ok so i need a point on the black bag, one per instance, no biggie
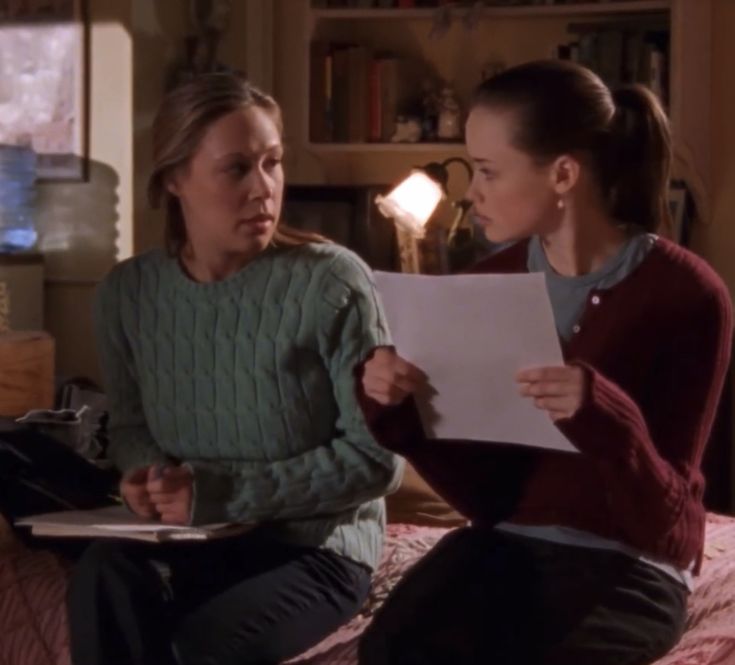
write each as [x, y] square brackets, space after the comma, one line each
[39, 474]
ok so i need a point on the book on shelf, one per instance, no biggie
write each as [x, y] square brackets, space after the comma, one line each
[399, 93]
[340, 87]
[356, 95]
[621, 54]
[358, 71]
[320, 92]
[118, 522]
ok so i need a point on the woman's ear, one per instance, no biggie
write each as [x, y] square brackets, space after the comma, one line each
[172, 185]
[565, 172]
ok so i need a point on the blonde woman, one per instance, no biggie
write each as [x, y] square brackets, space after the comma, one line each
[228, 361]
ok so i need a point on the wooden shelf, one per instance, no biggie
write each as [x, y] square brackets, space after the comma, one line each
[521, 33]
[421, 146]
[576, 10]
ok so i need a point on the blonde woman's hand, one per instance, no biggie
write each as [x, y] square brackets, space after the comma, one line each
[135, 493]
[171, 489]
[389, 379]
[557, 390]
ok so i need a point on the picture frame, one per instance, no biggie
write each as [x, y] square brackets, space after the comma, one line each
[44, 83]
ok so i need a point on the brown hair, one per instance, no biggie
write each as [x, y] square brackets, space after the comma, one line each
[182, 120]
[562, 107]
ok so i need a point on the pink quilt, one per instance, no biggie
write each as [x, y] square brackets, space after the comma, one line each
[33, 623]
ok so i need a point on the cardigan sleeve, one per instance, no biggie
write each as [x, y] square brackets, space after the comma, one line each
[346, 471]
[650, 457]
[131, 442]
[482, 481]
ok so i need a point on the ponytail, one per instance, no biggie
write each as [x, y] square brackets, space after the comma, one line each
[638, 167]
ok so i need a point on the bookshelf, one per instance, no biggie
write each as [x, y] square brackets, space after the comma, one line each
[508, 35]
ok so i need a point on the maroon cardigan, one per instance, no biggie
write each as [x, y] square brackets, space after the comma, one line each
[656, 348]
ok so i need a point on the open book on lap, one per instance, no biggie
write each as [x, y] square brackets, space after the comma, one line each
[119, 522]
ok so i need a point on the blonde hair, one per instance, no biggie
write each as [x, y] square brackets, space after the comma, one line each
[180, 123]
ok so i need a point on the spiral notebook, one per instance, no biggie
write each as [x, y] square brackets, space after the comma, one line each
[119, 522]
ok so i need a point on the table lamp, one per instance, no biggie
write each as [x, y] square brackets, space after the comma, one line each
[412, 202]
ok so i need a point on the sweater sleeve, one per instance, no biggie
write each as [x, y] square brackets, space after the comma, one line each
[345, 472]
[131, 443]
[650, 454]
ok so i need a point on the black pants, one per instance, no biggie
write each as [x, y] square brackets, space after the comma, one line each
[234, 601]
[485, 597]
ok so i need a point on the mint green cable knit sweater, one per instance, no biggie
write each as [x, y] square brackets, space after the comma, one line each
[249, 381]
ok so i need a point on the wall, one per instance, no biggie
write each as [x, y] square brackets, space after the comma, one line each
[716, 241]
[87, 227]
[159, 29]
[84, 225]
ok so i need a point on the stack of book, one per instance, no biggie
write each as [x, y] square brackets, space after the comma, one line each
[356, 95]
[119, 522]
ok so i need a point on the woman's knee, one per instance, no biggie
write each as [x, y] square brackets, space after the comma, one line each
[204, 646]
[115, 567]
[381, 646]
[98, 558]
[372, 648]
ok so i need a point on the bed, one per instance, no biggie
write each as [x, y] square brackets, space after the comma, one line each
[33, 584]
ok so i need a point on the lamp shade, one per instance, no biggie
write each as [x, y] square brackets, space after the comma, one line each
[412, 202]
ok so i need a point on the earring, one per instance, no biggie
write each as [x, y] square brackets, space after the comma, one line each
[560, 203]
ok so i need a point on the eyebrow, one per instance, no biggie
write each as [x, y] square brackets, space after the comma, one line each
[481, 160]
[276, 147]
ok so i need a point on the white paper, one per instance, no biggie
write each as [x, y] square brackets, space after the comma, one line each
[112, 518]
[471, 334]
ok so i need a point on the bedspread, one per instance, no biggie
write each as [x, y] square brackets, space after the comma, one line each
[33, 585]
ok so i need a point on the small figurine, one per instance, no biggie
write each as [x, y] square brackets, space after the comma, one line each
[408, 130]
[448, 126]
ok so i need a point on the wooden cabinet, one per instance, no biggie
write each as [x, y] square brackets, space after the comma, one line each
[26, 372]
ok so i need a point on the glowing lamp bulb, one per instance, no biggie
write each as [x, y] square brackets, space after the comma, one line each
[412, 202]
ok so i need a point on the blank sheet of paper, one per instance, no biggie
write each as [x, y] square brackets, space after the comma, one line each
[471, 334]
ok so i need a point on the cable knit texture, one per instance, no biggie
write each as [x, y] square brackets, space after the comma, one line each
[249, 381]
[655, 348]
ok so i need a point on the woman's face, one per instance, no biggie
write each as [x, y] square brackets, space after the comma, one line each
[232, 188]
[512, 196]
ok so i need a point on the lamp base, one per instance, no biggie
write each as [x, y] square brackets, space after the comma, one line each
[462, 252]
[409, 259]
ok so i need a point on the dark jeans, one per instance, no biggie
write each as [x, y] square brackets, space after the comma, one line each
[484, 597]
[233, 601]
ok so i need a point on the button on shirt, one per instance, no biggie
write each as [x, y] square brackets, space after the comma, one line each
[569, 295]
